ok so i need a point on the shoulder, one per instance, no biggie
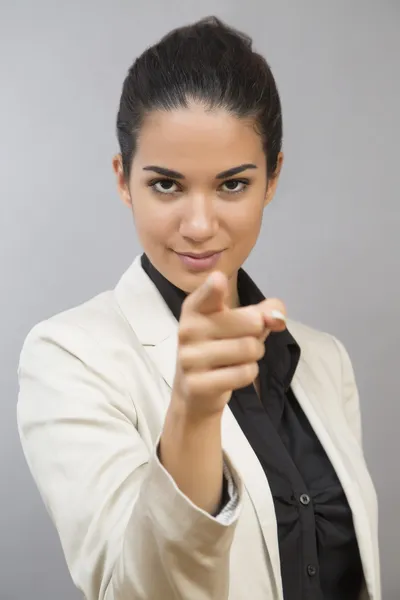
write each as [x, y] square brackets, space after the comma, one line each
[311, 339]
[93, 317]
[84, 360]
[94, 332]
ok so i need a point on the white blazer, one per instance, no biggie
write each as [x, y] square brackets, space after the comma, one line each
[95, 383]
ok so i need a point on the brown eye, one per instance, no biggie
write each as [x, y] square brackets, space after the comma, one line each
[164, 186]
[235, 186]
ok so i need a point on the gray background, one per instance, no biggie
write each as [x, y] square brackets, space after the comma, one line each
[330, 242]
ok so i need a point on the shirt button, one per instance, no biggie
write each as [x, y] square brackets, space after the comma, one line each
[305, 499]
[311, 570]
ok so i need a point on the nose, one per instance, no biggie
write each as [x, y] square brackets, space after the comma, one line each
[198, 222]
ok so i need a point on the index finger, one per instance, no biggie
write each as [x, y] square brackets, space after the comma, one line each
[209, 297]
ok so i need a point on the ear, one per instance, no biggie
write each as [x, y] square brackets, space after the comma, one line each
[273, 181]
[122, 184]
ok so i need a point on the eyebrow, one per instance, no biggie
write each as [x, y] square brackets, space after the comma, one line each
[223, 175]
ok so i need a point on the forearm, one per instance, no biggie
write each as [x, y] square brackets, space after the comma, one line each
[191, 451]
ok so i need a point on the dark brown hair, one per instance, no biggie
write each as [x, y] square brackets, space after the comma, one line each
[209, 62]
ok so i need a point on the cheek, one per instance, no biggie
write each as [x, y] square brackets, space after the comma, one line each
[246, 221]
[153, 222]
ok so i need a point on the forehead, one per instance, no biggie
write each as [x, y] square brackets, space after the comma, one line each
[196, 138]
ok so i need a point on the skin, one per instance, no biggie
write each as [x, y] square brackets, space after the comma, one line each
[219, 342]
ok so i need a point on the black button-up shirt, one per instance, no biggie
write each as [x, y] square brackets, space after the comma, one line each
[319, 554]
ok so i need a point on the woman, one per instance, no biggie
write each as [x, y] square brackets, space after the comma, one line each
[186, 442]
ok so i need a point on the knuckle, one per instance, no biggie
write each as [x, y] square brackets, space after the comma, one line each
[250, 371]
[256, 322]
[249, 347]
[260, 349]
[186, 331]
[184, 359]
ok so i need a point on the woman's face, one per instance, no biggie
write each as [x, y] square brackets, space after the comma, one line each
[198, 188]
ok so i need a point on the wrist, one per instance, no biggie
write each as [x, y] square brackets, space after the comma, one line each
[191, 451]
[187, 415]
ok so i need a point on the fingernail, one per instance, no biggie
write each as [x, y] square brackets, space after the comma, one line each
[276, 314]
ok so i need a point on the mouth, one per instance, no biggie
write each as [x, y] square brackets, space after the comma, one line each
[200, 261]
[200, 255]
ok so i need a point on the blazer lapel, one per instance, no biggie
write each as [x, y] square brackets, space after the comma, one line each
[328, 422]
[238, 449]
[144, 307]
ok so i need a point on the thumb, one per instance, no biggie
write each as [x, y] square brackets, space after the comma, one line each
[210, 296]
[274, 316]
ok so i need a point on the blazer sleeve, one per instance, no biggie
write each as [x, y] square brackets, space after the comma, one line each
[127, 531]
[351, 400]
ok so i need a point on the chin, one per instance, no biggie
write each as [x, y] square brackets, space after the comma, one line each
[189, 282]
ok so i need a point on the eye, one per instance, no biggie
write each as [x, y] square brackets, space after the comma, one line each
[164, 186]
[235, 186]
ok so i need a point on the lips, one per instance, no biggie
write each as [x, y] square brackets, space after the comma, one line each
[199, 255]
[202, 261]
